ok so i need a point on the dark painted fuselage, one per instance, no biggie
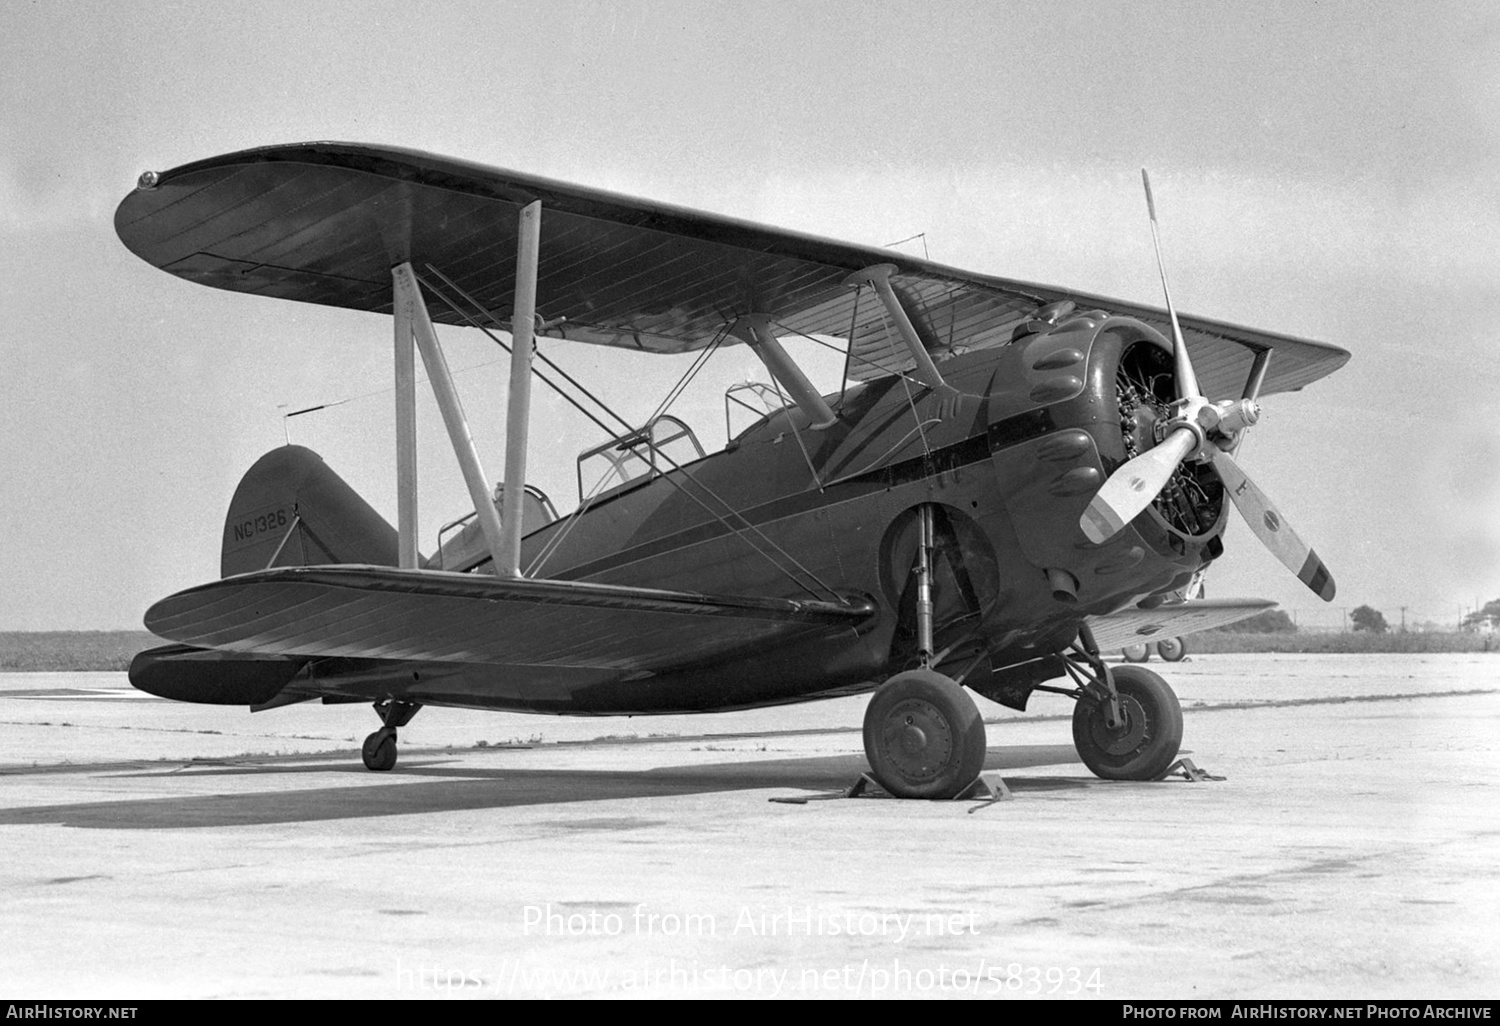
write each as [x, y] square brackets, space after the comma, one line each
[790, 512]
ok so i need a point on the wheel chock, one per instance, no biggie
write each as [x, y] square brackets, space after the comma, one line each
[865, 787]
[987, 788]
[1185, 769]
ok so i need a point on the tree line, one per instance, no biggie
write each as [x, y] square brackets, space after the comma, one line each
[1364, 618]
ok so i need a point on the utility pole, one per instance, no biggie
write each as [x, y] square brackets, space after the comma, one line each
[1403, 619]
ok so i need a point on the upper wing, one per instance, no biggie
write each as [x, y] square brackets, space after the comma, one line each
[386, 613]
[1133, 626]
[325, 222]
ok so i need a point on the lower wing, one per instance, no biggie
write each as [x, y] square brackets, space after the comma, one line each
[385, 613]
[1171, 620]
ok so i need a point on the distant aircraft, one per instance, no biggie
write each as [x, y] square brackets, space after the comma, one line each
[1013, 478]
[1171, 650]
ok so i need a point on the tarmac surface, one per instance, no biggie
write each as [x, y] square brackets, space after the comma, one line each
[163, 850]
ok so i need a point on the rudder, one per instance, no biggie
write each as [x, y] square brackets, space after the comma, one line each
[291, 507]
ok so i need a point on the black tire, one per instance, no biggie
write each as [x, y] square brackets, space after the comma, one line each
[1171, 650]
[1136, 653]
[924, 736]
[379, 751]
[1146, 746]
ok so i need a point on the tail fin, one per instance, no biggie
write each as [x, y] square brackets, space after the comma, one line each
[291, 509]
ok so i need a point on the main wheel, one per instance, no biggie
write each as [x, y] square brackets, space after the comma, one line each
[1136, 653]
[1171, 649]
[924, 736]
[1146, 745]
[379, 750]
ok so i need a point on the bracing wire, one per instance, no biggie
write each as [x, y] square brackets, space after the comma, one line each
[682, 384]
[797, 434]
[906, 384]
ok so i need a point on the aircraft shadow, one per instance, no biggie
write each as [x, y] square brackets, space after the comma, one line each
[444, 785]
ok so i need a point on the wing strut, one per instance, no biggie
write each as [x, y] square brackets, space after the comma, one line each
[1257, 375]
[409, 295]
[540, 560]
[406, 427]
[879, 276]
[755, 329]
[503, 535]
[518, 407]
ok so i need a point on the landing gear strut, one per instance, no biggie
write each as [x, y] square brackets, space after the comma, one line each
[924, 736]
[1145, 745]
[379, 749]
[1127, 724]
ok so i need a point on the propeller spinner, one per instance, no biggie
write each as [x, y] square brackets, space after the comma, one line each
[1206, 432]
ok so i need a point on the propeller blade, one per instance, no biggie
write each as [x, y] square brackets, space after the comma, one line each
[1131, 488]
[1187, 380]
[1272, 529]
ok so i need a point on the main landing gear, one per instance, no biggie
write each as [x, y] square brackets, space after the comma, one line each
[1127, 724]
[924, 736]
[1171, 650]
[379, 749]
[923, 733]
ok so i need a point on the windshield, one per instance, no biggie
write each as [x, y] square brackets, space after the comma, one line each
[664, 444]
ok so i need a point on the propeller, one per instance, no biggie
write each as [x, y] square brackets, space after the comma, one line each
[1206, 432]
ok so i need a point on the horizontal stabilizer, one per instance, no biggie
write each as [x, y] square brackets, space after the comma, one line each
[1172, 620]
[386, 613]
[189, 674]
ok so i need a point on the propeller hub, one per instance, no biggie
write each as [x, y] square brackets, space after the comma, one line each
[1236, 416]
[1194, 414]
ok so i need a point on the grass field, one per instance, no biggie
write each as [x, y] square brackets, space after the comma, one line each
[72, 650]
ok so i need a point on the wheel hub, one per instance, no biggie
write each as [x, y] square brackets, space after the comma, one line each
[919, 739]
[913, 738]
[1129, 737]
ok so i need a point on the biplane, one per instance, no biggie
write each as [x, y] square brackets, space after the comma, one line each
[1012, 478]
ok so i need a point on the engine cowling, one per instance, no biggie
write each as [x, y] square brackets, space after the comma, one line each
[1101, 385]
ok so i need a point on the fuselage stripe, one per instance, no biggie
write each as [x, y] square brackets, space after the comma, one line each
[973, 450]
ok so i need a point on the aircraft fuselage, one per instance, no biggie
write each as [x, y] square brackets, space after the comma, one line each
[1039, 427]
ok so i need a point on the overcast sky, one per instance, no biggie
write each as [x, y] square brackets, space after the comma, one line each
[1327, 170]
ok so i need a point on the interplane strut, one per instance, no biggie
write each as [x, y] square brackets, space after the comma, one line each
[413, 323]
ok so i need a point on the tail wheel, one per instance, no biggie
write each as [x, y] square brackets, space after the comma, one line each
[1136, 653]
[1146, 744]
[924, 736]
[1171, 649]
[379, 750]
